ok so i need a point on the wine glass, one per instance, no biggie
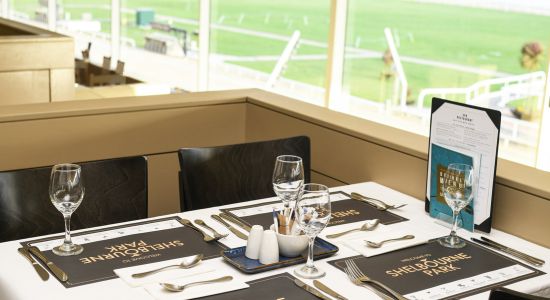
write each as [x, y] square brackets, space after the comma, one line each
[458, 187]
[66, 193]
[288, 177]
[312, 214]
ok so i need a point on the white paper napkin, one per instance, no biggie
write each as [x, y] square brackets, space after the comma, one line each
[126, 273]
[421, 236]
[158, 292]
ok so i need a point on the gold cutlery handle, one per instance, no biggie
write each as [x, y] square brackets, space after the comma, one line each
[335, 235]
[147, 273]
[188, 223]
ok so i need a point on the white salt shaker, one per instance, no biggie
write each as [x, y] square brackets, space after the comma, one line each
[269, 250]
[254, 242]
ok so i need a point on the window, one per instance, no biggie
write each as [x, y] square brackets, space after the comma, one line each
[165, 33]
[34, 12]
[248, 39]
[400, 54]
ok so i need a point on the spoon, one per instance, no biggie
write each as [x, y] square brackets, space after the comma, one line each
[216, 234]
[369, 225]
[379, 244]
[187, 263]
[178, 288]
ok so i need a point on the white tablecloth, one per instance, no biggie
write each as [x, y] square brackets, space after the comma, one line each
[19, 281]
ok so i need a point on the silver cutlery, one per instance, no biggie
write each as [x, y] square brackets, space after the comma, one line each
[369, 225]
[235, 221]
[359, 278]
[57, 272]
[517, 254]
[207, 238]
[310, 289]
[328, 290]
[187, 263]
[216, 234]
[178, 288]
[379, 204]
[379, 244]
[44, 275]
[231, 228]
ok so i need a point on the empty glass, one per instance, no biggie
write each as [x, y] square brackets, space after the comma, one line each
[458, 187]
[66, 193]
[312, 214]
[288, 177]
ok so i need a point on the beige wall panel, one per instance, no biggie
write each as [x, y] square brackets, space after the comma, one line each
[320, 178]
[81, 138]
[24, 87]
[29, 54]
[163, 191]
[62, 84]
[344, 158]
[522, 214]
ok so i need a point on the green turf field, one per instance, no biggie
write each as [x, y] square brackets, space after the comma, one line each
[470, 37]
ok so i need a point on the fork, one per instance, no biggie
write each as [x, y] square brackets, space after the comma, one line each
[357, 276]
[379, 204]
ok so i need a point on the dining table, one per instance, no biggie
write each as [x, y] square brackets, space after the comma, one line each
[18, 279]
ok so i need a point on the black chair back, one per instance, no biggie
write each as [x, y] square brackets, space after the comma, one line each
[228, 174]
[501, 293]
[115, 191]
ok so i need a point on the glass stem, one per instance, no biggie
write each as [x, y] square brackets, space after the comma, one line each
[67, 229]
[455, 223]
[309, 263]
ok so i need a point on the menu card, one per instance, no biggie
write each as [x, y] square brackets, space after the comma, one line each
[467, 129]
[124, 246]
[431, 271]
[344, 210]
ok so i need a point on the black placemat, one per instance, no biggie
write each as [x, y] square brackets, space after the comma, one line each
[343, 212]
[280, 286]
[100, 258]
[429, 265]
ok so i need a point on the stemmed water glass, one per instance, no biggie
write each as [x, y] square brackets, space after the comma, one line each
[458, 187]
[312, 214]
[66, 193]
[288, 177]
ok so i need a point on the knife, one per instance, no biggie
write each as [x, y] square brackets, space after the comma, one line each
[310, 289]
[236, 221]
[233, 229]
[328, 290]
[542, 262]
[39, 269]
[520, 255]
[60, 274]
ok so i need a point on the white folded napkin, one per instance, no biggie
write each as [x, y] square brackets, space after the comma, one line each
[359, 245]
[126, 273]
[196, 291]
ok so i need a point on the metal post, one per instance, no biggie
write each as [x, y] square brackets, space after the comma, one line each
[335, 52]
[204, 44]
[115, 30]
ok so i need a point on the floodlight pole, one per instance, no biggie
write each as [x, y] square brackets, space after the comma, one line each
[283, 59]
[398, 68]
